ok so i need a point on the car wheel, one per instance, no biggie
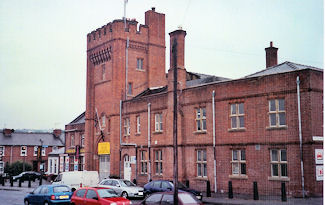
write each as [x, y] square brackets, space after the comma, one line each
[124, 194]
[26, 202]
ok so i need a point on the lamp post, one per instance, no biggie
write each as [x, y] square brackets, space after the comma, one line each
[40, 158]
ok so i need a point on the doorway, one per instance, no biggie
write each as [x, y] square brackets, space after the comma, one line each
[127, 167]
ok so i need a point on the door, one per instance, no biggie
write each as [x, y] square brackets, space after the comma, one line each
[104, 166]
[127, 168]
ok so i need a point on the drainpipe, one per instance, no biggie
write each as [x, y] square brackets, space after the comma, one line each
[149, 164]
[300, 140]
[214, 143]
[120, 138]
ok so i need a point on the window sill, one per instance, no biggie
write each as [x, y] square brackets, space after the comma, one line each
[137, 134]
[200, 132]
[201, 178]
[237, 129]
[157, 132]
[284, 127]
[238, 176]
[141, 70]
[278, 179]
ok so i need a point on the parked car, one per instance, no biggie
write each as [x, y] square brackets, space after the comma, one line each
[77, 179]
[98, 196]
[49, 194]
[123, 187]
[164, 185]
[168, 198]
[24, 176]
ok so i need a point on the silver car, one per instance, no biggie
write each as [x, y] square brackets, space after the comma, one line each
[123, 187]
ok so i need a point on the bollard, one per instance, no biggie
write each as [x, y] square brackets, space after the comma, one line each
[187, 183]
[3, 181]
[135, 181]
[29, 182]
[40, 179]
[255, 191]
[208, 189]
[19, 184]
[11, 181]
[283, 192]
[230, 193]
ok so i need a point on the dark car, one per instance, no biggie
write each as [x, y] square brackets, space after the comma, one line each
[164, 185]
[168, 198]
[98, 196]
[24, 176]
[49, 194]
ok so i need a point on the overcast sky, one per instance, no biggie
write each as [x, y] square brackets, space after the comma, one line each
[43, 46]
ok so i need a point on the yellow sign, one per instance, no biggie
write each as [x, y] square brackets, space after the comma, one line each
[70, 151]
[104, 148]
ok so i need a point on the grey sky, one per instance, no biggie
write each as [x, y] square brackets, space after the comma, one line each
[43, 46]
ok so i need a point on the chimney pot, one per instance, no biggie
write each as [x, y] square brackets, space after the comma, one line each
[7, 132]
[57, 132]
[271, 44]
[153, 9]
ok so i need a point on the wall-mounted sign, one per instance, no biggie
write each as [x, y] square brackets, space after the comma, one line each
[70, 151]
[66, 164]
[319, 156]
[133, 160]
[61, 163]
[319, 172]
[104, 148]
[318, 138]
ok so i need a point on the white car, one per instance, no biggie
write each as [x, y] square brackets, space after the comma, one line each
[123, 187]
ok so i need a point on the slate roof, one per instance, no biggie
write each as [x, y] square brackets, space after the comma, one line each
[204, 79]
[80, 119]
[282, 68]
[32, 138]
[151, 91]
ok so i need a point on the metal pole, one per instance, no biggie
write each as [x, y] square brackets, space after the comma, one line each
[149, 142]
[300, 140]
[120, 137]
[214, 143]
[174, 51]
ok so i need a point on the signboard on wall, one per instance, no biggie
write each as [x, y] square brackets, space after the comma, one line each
[319, 172]
[61, 163]
[104, 148]
[66, 163]
[319, 156]
[133, 160]
[75, 167]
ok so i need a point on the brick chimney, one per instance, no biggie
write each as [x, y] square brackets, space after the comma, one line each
[271, 55]
[7, 132]
[57, 132]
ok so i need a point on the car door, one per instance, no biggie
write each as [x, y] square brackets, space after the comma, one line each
[156, 186]
[165, 186]
[33, 198]
[117, 187]
[90, 195]
[43, 195]
[79, 197]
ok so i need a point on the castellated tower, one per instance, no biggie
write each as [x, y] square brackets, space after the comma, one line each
[122, 61]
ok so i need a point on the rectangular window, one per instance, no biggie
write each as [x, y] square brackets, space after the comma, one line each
[103, 121]
[277, 113]
[143, 162]
[238, 162]
[200, 119]
[158, 122]
[138, 124]
[103, 71]
[139, 63]
[2, 166]
[72, 141]
[43, 151]
[158, 162]
[129, 88]
[237, 115]
[127, 128]
[2, 151]
[201, 163]
[35, 150]
[82, 141]
[23, 151]
[279, 163]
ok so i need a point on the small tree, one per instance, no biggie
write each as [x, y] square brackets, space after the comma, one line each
[17, 168]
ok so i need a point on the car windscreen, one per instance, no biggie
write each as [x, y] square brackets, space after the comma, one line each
[61, 189]
[104, 193]
[58, 178]
[125, 183]
[187, 198]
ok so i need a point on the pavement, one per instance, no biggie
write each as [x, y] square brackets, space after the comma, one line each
[216, 198]
[222, 199]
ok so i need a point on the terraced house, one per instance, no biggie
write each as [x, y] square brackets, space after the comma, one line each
[266, 127]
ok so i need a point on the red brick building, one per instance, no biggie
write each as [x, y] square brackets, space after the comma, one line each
[30, 146]
[252, 129]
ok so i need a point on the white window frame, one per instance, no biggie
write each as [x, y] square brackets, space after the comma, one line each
[138, 124]
[43, 151]
[82, 140]
[200, 119]
[103, 121]
[23, 152]
[237, 115]
[158, 162]
[277, 112]
[35, 151]
[158, 122]
[143, 162]
[140, 64]
[72, 140]
[279, 162]
[127, 128]
[238, 158]
[201, 163]
[2, 149]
